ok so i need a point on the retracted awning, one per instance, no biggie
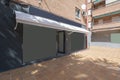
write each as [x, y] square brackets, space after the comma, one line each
[44, 22]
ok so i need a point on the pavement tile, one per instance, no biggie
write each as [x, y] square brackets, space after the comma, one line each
[95, 63]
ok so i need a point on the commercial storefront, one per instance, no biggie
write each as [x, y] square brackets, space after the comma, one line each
[44, 35]
[40, 43]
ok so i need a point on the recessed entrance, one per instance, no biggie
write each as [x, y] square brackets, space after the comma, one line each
[61, 41]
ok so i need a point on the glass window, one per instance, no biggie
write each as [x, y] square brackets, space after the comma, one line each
[77, 12]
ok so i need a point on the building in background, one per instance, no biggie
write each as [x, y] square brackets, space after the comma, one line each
[88, 12]
[106, 21]
[50, 28]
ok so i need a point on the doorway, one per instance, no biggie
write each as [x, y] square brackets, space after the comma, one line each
[61, 42]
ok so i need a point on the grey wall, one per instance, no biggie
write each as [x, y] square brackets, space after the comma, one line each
[104, 36]
[38, 43]
[78, 42]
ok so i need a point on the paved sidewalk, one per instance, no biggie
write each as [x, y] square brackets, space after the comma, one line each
[102, 53]
[96, 63]
[106, 44]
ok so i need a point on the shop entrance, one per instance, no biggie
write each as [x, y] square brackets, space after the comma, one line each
[61, 41]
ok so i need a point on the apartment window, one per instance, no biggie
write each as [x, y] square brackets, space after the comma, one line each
[77, 13]
[100, 21]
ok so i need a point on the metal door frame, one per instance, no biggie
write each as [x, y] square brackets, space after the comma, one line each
[64, 42]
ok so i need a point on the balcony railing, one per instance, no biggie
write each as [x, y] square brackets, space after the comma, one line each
[107, 10]
[107, 25]
[104, 22]
[97, 1]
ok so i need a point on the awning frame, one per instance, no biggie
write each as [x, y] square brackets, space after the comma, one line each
[25, 18]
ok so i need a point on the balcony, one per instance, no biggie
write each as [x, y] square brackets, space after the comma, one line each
[106, 11]
[106, 26]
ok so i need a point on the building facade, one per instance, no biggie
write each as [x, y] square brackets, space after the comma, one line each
[106, 21]
[48, 29]
[63, 8]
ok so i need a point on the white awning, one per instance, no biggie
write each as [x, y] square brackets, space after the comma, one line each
[44, 22]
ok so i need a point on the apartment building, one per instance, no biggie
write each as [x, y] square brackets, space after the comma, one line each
[106, 21]
[49, 28]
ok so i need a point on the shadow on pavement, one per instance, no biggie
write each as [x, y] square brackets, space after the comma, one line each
[68, 68]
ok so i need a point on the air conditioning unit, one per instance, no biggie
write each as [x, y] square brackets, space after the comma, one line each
[39, 1]
[89, 12]
[83, 13]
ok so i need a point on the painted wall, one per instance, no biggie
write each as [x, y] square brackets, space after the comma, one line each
[38, 43]
[115, 37]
